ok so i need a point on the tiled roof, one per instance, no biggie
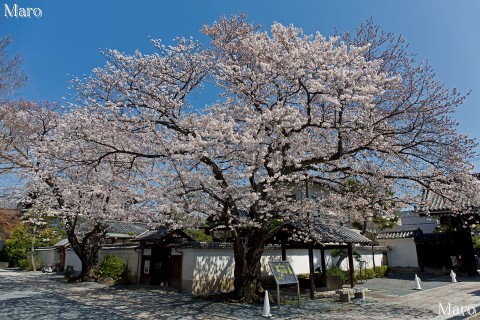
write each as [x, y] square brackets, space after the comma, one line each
[439, 205]
[154, 234]
[328, 233]
[436, 238]
[401, 234]
[369, 248]
[128, 228]
[61, 243]
[162, 233]
[220, 245]
[118, 246]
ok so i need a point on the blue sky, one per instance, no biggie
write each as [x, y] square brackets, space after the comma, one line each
[67, 39]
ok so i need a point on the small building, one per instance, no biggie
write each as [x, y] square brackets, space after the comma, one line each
[118, 242]
[172, 258]
[416, 245]
[402, 249]
[56, 254]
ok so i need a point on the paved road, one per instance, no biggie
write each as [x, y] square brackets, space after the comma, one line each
[33, 295]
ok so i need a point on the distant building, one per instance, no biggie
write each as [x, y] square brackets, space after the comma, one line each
[416, 244]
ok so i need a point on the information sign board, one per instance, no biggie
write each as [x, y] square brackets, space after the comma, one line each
[283, 272]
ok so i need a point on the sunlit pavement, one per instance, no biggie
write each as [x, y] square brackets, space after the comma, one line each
[33, 295]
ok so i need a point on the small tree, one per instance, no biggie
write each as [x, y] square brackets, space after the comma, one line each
[17, 246]
[20, 247]
[341, 254]
[41, 231]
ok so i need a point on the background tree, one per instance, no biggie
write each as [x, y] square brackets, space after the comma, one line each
[84, 202]
[11, 79]
[17, 246]
[292, 107]
[20, 246]
[43, 229]
[45, 185]
[11, 76]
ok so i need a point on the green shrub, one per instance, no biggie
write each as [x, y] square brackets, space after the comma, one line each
[336, 271]
[25, 263]
[17, 247]
[381, 271]
[200, 235]
[113, 267]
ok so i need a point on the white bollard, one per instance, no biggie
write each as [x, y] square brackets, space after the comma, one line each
[418, 283]
[453, 276]
[266, 306]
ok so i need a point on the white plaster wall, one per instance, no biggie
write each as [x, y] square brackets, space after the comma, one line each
[46, 256]
[213, 269]
[71, 259]
[298, 259]
[207, 270]
[366, 255]
[207, 263]
[402, 253]
[130, 256]
[213, 263]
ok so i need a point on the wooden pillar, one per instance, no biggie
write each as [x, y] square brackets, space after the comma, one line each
[350, 263]
[284, 250]
[324, 266]
[312, 271]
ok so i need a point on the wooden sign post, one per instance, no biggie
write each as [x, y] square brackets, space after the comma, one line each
[283, 273]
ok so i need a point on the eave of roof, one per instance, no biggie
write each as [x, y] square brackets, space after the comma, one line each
[400, 234]
[323, 234]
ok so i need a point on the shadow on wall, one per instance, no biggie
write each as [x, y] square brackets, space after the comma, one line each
[213, 274]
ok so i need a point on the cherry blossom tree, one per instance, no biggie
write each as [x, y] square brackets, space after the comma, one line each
[11, 79]
[293, 107]
[84, 201]
[29, 148]
[26, 126]
[11, 76]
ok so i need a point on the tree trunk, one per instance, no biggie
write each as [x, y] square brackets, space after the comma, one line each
[248, 250]
[32, 250]
[341, 257]
[87, 249]
[373, 256]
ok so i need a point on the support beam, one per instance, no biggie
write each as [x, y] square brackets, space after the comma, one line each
[284, 250]
[312, 271]
[350, 263]
[324, 265]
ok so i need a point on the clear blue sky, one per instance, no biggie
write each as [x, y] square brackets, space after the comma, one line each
[69, 35]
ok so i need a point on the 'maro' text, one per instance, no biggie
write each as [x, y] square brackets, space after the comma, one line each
[18, 12]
